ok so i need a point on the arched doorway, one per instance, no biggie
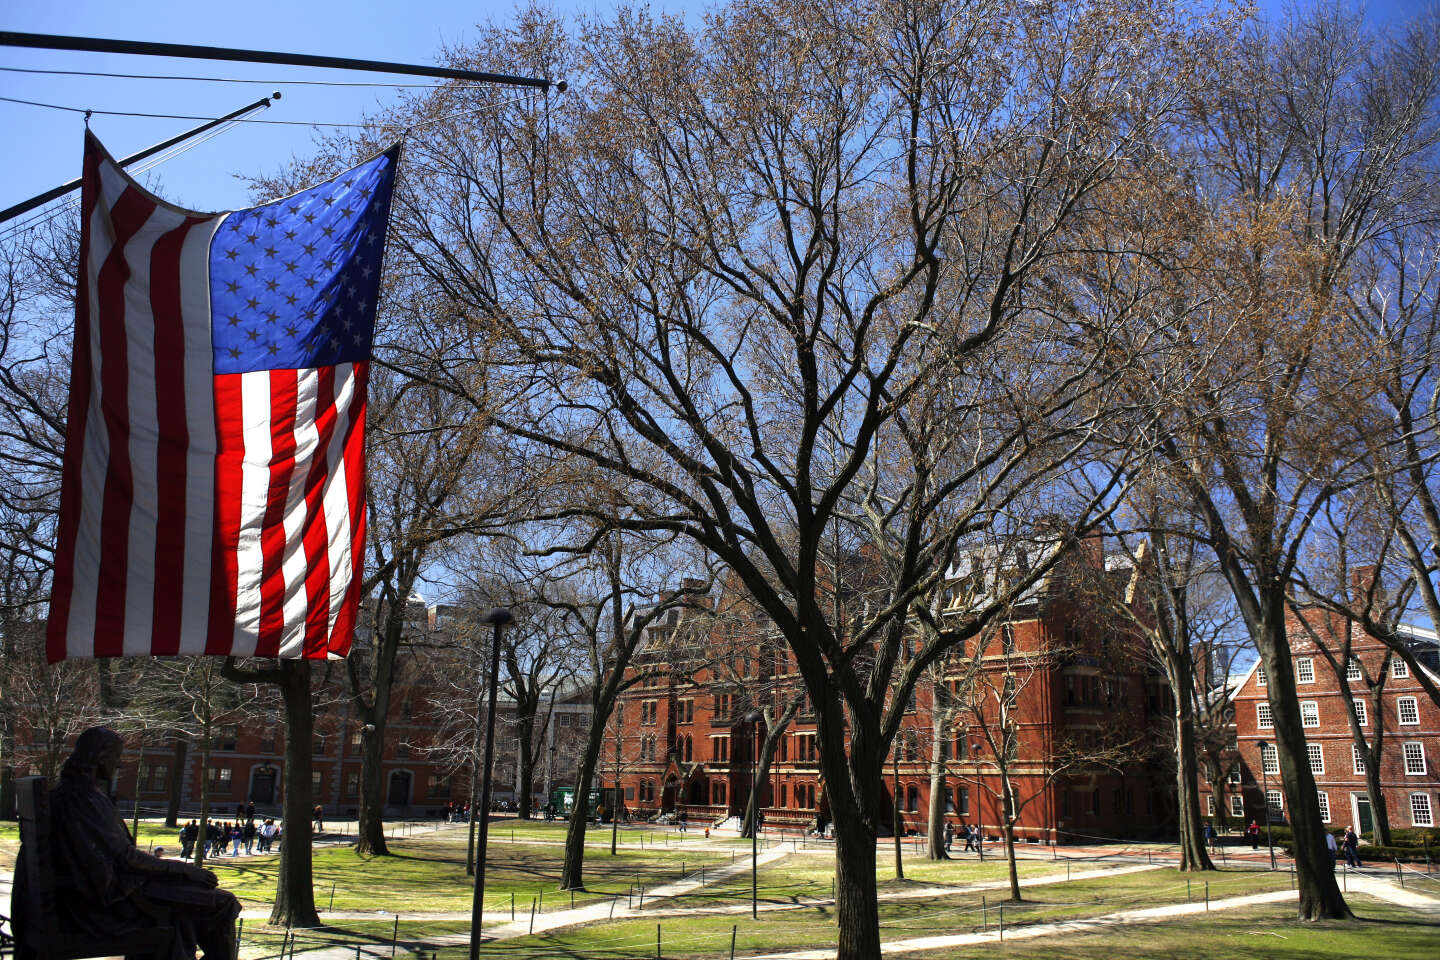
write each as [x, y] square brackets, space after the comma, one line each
[399, 793]
[262, 783]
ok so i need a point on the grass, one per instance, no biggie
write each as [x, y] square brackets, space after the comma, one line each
[1268, 932]
[708, 935]
[427, 875]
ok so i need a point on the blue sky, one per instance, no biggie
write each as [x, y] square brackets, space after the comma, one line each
[44, 147]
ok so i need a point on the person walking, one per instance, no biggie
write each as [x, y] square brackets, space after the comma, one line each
[1352, 848]
[682, 821]
[1330, 845]
[237, 837]
[1253, 832]
[1212, 840]
[949, 835]
[248, 833]
[319, 818]
[967, 833]
[188, 835]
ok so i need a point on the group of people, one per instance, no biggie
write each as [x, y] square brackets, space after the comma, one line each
[456, 812]
[234, 834]
[1349, 844]
[971, 836]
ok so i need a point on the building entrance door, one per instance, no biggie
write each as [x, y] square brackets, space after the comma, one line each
[399, 794]
[262, 788]
[1365, 822]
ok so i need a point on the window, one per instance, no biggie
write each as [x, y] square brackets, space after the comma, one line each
[1324, 806]
[1260, 674]
[1007, 639]
[317, 746]
[784, 802]
[352, 785]
[1317, 757]
[158, 777]
[1353, 671]
[355, 737]
[649, 710]
[316, 778]
[1420, 810]
[685, 711]
[912, 798]
[1237, 806]
[437, 786]
[722, 749]
[1399, 669]
[962, 801]
[1210, 805]
[1305, 670]
[1276, 801]
[1414, 758]
[1359, 759]
[1409, 712]
[717, 795]
[1262, 716]
[1362, 715]
[220, 780]
[229, 735]
[1269, 759]
[1234, 775]
[630, 793]
[1309, 713]
[402, 751]
[722, 706]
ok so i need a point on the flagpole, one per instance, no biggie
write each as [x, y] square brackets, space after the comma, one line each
[50, 41]
[24, 206]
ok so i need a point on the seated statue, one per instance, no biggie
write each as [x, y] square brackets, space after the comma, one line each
[105, 887]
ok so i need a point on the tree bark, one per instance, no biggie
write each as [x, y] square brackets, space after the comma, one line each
[939, 791]
[370, 828]
[294, 886]
[527, 759]
[176, 786]
[853, 787]
[572, 876]
[774, 730]
[1193, 855]
[1320, 897]
[202, 841]
[7, 767]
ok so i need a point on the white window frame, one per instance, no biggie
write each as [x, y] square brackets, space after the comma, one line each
[1324, 806]
[1237, 806]
[1358, 759]
[1304, 669]
[1415, 810]
[1316, 754]
[1209, 804]
[1234, 775]
[1401, 703]
[1260, 679]
[1418, 753]
[1275, 800]
[1399, 669]
[1353, 671]
[1309, 713]
[1270, 760]
[1362, 713]
[1263, 718]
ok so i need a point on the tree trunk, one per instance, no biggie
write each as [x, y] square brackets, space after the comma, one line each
[7, 767]
[176, 786]
[370, 828]
[860, 768]
[474, 813]
[294, 884]
[1379, 812]
[572, 875]
[1320, 897]
[527, 760]
[773, 733]
[202, 841]
[1193, 855]
[1007, 830]
[896, 825]
[939, 790]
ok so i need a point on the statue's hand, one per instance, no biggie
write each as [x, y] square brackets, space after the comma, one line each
[203, 877]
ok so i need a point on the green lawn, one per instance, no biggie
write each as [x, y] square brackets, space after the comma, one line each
[1253, 933]
[804, 927]
[427, 875]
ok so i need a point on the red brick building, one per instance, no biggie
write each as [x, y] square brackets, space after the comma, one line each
[1077, 687]
[1411, 747]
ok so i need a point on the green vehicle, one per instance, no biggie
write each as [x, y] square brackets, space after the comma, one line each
[562, 801]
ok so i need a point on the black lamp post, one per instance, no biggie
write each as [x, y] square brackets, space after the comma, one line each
[499, 617]
[753, 718]
[1265, 788]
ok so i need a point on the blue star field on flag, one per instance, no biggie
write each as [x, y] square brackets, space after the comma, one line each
[294, 283]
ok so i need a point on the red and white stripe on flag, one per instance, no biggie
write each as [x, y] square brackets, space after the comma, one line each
[200, 513]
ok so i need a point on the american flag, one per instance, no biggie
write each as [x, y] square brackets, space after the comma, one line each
[212, 495]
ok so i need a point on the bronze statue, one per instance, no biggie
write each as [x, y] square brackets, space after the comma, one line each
[104, 886]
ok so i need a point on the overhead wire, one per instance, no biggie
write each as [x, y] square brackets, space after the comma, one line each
[306, 83]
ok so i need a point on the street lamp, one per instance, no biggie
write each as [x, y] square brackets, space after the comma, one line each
[1265, 788]
[499, 617]
[754, 717]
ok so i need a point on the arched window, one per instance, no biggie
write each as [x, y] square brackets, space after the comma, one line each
[913, 794]
[689, 749]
